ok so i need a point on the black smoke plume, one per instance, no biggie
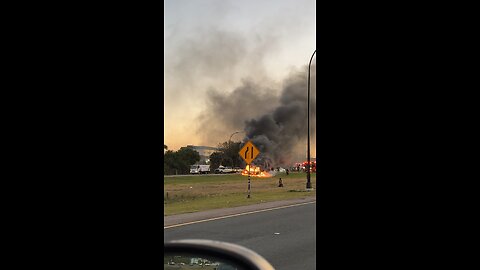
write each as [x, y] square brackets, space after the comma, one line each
[275, 121]
[277, 133]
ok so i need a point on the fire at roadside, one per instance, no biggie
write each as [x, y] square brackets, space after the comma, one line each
[256, 171]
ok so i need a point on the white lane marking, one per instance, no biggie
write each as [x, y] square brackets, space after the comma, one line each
[235, 215]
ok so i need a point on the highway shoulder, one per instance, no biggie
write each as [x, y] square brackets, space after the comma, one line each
[226, 212]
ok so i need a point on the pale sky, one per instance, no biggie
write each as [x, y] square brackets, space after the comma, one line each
[215, 46]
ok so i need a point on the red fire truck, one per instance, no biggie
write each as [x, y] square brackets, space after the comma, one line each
[313, 166]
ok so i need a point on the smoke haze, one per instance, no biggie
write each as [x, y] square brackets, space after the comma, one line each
[275, 120]
[233, 66]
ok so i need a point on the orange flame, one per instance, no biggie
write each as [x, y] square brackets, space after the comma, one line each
[255, 172]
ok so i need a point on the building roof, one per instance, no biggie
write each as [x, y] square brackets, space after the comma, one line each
[203, 147]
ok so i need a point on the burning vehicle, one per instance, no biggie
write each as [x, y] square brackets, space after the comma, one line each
[256, 171]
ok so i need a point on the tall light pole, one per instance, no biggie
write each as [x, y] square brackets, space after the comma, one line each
[309, 184]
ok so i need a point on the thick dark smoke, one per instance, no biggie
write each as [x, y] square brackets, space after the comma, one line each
[277, 133]
[236, 50]
[275, 121]
[227, 112]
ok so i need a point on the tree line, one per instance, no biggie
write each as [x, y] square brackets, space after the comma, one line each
[178, 162]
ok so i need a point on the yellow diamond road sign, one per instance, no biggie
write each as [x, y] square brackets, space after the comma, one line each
[249, 152]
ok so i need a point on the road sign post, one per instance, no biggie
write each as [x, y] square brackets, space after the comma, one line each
[249, 152]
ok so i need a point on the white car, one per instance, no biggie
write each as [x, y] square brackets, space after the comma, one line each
[222, 169]
[228, 170]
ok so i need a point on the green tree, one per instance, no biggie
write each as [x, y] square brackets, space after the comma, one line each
[179, 162]
[215, 160]
[188, 156]
[230, 156]
[169, 163]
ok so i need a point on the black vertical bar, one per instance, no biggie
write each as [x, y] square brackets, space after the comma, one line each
[248, 196]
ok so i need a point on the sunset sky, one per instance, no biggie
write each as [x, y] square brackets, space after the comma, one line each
[216, 48]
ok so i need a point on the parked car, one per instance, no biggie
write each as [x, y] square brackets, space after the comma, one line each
[222, 169]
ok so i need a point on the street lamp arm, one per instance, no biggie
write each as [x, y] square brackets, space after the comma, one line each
[229, 143]
[234, 134]
[311, 58]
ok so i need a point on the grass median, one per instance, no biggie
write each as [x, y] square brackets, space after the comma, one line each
[199, 193]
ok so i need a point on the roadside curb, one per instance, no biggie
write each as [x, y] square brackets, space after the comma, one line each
[216, 213]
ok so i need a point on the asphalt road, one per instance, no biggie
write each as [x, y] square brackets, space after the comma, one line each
[285, 237]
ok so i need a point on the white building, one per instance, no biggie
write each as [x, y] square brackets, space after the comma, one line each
[204, 151]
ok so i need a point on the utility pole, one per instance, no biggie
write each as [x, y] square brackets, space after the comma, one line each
[309, 184]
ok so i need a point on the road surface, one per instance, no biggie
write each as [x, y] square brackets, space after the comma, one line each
[285, 236]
